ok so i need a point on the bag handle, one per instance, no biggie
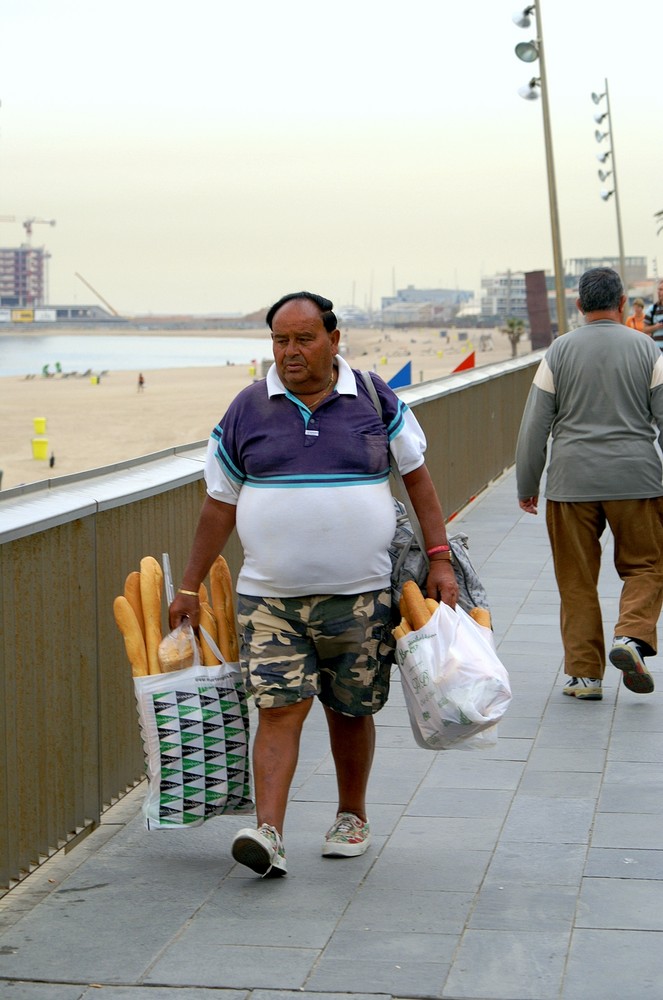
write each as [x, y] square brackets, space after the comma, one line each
[396, 472]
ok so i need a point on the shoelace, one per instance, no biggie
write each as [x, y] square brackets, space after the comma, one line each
[345, 824]
[272, 832]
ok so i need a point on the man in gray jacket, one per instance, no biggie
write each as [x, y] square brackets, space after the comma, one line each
[598, 394]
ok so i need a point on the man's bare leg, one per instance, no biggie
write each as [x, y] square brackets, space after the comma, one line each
[353, 746]
[275, 754]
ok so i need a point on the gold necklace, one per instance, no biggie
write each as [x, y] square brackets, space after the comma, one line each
[325, 393]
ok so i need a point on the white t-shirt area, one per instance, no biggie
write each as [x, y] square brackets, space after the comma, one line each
[314, 507]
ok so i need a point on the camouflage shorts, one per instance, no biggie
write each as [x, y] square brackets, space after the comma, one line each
[336, 647]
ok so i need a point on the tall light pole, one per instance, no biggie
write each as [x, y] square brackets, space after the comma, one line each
[603, 174]
[530, 52]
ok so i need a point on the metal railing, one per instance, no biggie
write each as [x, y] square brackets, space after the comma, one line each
[69, 740]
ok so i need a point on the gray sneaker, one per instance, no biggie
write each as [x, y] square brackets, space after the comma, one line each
[260, 850]
[588, 688]
[626, 656]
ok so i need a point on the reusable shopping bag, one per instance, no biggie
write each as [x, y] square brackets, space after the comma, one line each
[456, 688]
[195, 729]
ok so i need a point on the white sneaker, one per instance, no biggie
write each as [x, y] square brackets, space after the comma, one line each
[626, 656]
[260, 850]
[588, 688]
[347, 838]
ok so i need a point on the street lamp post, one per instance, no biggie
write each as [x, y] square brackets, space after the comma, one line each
[603, 175]
[530, 52]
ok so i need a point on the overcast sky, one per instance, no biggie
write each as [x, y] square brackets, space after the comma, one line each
[209, 156]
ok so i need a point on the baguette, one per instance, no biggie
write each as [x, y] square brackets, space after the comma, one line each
[223, 607]
[134, 644]
[132, 594]
[151, 586]
[203, 596]
[208, 622]
[401, 629]
[481, 616]
[432, 605]
[417, 611]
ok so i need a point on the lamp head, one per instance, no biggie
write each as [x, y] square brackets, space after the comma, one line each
[522, 17]
[606, 194]
[529, 90]
[604, 174]
[600, 136]
[598, 118]
[602, 157]
[597, 98]
[527, 51]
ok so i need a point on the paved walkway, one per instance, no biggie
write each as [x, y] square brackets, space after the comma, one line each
[525, 872]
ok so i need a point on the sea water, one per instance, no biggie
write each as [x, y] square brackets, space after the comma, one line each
[94, 354]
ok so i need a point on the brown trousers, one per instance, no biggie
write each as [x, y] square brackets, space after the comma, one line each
[575, 530]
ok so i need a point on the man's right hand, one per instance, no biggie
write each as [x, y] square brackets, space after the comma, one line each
[529, 505]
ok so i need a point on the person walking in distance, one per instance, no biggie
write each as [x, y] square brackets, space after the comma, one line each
[654, 318]
[598, 393]
[299, 464]
[637, 320]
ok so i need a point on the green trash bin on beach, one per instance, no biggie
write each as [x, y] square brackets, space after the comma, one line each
[40, 448]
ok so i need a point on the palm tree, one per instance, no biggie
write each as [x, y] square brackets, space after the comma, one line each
[514, 329]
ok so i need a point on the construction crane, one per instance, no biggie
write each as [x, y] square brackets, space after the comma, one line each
[29, 223]
[100, 297]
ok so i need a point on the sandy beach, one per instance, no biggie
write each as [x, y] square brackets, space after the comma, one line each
[90, 425]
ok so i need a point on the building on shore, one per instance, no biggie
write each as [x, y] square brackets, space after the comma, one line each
[23, 276]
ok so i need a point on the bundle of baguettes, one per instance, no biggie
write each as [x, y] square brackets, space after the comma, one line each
[416, 610]
[138, 616]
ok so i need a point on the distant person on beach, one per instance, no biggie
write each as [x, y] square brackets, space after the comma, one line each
[299, 464]
[637, 320]
[51, 461]
[141, 382]
[598, 393]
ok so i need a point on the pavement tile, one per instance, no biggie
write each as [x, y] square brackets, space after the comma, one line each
[508, 965]
[247, 966]
[567, 760]
[627, 831]
[536, 863]
[450, 867]
[421, 976]
[519, 906]
[625, 964]
[380, 907]
[632, 904]
[606, 862]
[545, 820]
[423, 835]
[470, 769]
[553, 784]
[460, 802]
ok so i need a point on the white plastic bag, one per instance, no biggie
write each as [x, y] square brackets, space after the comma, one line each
[195, 728]
[456, 688]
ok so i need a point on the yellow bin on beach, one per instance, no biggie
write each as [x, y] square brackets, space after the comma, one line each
[40, 424]
[40, 448]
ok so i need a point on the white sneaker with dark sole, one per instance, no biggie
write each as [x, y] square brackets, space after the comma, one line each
[587, 688]
[626, 656]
